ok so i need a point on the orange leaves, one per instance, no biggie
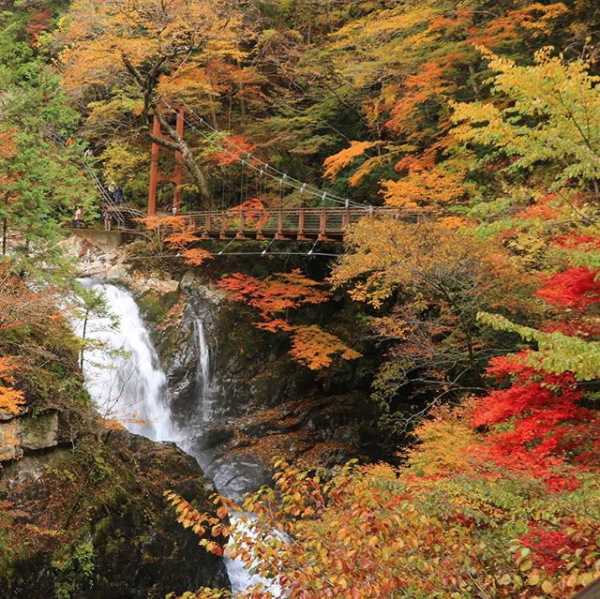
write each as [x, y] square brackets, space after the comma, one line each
[176, 223]
[11, 400]
[200, 524]
[536, 19]
[195, 256]
[235, 148]
[336, 163]
[315, 348]
[8, 146]
[278, 293]
[178, 233]
[424, 188]
[429, 83]
[311, 345]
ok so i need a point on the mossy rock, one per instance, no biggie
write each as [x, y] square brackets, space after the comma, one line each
[92, 523]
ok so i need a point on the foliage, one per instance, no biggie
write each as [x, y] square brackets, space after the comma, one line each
[274, 298]
[373, 531]
[178, 234]
[11, 400]
[553, 116]
[153, 53]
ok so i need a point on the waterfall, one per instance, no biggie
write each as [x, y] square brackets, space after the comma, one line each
[121, 368]
[204, 373]
[124, 378]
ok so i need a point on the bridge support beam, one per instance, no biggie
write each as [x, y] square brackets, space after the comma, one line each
[156, 176]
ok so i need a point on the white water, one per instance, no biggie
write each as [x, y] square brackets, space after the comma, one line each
[204, 373]
[122, 372]
[124, 378]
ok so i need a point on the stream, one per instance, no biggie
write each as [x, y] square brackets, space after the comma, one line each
[125, 380]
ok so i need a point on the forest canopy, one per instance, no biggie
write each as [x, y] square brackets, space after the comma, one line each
[472, 326]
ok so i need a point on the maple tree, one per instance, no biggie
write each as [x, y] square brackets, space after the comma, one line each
[274, 298]
[178, 234]
[11, 399]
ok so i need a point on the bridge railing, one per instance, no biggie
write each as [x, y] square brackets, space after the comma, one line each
[286, 223]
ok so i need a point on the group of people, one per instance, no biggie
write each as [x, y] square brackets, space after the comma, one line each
[116, 194]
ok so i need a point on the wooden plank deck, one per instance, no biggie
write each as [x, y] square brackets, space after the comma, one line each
[293, 224]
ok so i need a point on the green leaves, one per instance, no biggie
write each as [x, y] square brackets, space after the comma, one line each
[553, 116]
[557, 353]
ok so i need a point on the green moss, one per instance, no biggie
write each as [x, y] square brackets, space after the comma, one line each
[154, 306]
[74, 567]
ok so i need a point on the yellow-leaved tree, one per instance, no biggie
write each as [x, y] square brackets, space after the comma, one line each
[144, 55]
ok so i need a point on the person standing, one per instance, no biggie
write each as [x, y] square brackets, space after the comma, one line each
[107, 219]
[78, 217]
[118, 195]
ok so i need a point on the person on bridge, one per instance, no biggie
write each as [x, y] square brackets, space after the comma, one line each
[118, 196]
[107, 219]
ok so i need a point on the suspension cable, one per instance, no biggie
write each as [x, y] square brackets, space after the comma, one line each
[265, 169]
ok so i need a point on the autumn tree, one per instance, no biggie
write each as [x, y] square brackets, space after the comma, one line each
[553, 118]
[156, 53]
[426, 283]
[175, 233]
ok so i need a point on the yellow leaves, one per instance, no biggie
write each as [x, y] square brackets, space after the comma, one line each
[187, 81]
[443, 444]
[424, 188]
[540, 17]
[315, 348]
[105, 42]
[386, 254]
[552, 117]
[456, 222]
[336, 163]
[189, 517]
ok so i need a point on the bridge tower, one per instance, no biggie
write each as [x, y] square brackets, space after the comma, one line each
[155, 175]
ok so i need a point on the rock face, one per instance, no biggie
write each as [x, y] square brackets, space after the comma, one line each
[19, 434]
[91, 522]
[258, 404]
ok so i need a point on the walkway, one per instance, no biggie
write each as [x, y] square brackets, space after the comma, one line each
[285, 224]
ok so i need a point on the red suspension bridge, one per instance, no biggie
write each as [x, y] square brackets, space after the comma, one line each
[330, 221]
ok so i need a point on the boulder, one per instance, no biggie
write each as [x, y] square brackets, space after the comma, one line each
[92, 522]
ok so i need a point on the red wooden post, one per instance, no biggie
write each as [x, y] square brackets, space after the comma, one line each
[154, 170]
[260, 224]
[301, 226]
[240, 234]
[323, 226]
[223, 234]
[207, 226]
[279, 235]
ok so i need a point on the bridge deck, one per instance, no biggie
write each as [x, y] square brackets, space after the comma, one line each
[294, 224]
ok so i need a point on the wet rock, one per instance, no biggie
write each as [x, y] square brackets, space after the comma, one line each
[214, 434]
[235, 475]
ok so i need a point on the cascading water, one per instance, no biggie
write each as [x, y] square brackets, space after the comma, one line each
[121, 368]
[124, 378]
[204, 373]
